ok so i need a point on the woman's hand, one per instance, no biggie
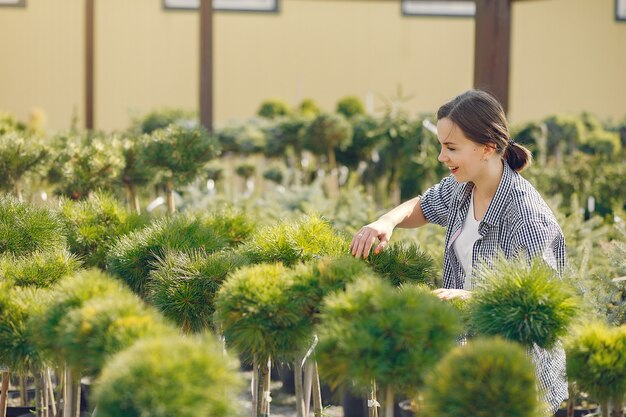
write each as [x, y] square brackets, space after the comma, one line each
[365, 238]
[449, 293]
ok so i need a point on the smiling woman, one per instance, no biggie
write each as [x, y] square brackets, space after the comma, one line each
[487, 208]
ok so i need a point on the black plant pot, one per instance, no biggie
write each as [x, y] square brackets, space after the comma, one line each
[20, 411]
[577, 412]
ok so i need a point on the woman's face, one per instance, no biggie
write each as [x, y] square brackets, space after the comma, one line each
[464, 158]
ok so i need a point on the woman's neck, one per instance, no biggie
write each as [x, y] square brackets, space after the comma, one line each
[486, 185]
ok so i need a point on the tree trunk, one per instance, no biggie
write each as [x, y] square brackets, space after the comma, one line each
[389, 402]
[604, 405]
[75, 387]
[40, 394]
[255, 386]
[22, 379]
[52, 408]
[308, 386]
[133, 198]
[317, 392]
[297, 371]
[263, 391]
[18, 191]
[67, 393]
[171, 208]
[372, 403]
[570, 406]
[618, 406]
[4, 393]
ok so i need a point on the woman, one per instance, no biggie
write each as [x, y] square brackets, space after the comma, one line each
[487, 208]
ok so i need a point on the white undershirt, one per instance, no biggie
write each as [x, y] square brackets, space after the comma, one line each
[464, 243]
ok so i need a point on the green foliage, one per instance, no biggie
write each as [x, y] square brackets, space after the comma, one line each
[134, 255]
[376, 331]
[162, 118]
[564, 133]
[102, 326]
[270, 109]
[403, 263]
[327, 132]
[17, 305]
[522, 302]
[183, 286]
[68, 295]
[25, 229]
[8, 124]
[19, 155]
[307, 238]
[274, 174]
[286, 134]
[94, 224]
[169, 377]
[244, 138]
[245, 170]
[595, 360]
[308, 108]
[38, 269]
[179, 153]
[85, 163]
[350, 106]
[485, 378]
[136, 170]
[259, 316]
[364, 142]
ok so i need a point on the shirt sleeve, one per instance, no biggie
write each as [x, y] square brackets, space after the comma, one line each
[435, 202]
[542, 238]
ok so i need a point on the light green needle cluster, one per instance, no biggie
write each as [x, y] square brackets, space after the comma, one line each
[38, 269]
[403, 263]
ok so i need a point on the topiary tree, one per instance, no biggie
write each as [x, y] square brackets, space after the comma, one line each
[90, 334]
[162, 118]
[397, 334]
[403, 263]
[595, 360]
[134, 255]
[135, 171]
[350, 106]
[38, 269]
[85, 163]
[486, 378]
[183, 286]
[326, 133]
[47, 327]
[286, 138]
[94, 224]
[308, 108]
[169, 377]
[522, 302]
[262, 321]
[270, 109]
[178, 154]
[19, 155]
[25, 229]
[307, 238]
[18, 352]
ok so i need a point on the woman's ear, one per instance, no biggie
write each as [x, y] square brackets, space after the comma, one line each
[488, 150]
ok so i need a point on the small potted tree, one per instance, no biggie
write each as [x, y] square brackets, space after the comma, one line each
[19, 155]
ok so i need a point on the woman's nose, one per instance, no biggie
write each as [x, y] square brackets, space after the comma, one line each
[441, 156]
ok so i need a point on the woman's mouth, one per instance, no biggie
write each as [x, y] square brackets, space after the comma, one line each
[453, 169]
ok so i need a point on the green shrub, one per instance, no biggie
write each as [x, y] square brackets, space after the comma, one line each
[90, 334]
[243, 138]
[245, 170]
[183, 286]
[350, 106]
[68, 295]
[274, 174]
[326, 133]
[134, 255]
[403, 263]
[38, 269]
[270, 109]
[162, 118]
[17, 349]
[486, 378]
[94, 224]
[169, 377]
[308, 108]
[595, 360]
[521, 302]
[376, 331]
[285, 135]
[19, 155]
[307, 238]
[25, 229]
[258, 316]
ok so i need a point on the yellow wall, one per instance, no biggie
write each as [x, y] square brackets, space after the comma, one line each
[568, 56]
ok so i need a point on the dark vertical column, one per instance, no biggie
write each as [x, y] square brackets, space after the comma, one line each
[89, 63]
[206, 64]
[492, 51]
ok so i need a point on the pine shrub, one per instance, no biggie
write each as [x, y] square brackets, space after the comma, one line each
[38, 269]
[90, 334]
[258, 315]
[375, 331]
[25, 229]
[350, 106]
[486, 378]
[522, 302]
[403, 263]
[309, 237]
[93, 225]
[169, 377]
[183, 286]
[270, 109]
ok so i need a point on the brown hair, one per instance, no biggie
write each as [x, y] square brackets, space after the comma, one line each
[481, 118]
